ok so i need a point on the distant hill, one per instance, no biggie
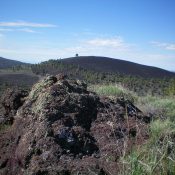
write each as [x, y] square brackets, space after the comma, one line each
[105, 64]
[93, 70]
[7, 63]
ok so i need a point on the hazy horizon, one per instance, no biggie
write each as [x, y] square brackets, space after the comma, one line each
[139, 31]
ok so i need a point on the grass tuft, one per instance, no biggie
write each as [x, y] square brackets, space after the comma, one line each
[114, 91]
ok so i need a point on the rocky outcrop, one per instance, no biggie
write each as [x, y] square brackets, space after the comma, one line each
[61, 128]
[10, 102]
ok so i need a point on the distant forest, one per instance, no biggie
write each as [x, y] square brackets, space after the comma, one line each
[27, 75]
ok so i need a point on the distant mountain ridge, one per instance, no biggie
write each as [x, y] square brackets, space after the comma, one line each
[105, 64]
[7, 63]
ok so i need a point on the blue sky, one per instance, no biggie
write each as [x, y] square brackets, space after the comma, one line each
[141, 31]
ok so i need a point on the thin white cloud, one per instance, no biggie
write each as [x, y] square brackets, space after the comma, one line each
[101, 46]
[27, 30]
[115, 47]
[166, 46]
[29, 54]
[107, 42]
[25, 24]
[6, 30]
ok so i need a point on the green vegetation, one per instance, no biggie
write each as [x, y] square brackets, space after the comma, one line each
[114, 91]
[108, 90]
[157, 154]
[17, 69]
[170, 90]
[139, 85]
[160, 107]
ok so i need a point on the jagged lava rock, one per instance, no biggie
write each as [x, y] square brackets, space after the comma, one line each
[10, 102]
[62, 128]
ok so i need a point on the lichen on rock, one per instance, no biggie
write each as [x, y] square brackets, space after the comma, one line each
[62, 128]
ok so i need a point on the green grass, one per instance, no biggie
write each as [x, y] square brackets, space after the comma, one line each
[160, 107]
[157, 155]
[113, 91]
[159, 128]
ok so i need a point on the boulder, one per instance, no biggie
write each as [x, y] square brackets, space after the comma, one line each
[62, 128]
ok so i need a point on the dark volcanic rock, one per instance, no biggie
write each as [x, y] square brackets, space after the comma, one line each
[62, 128]
[10, 103]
